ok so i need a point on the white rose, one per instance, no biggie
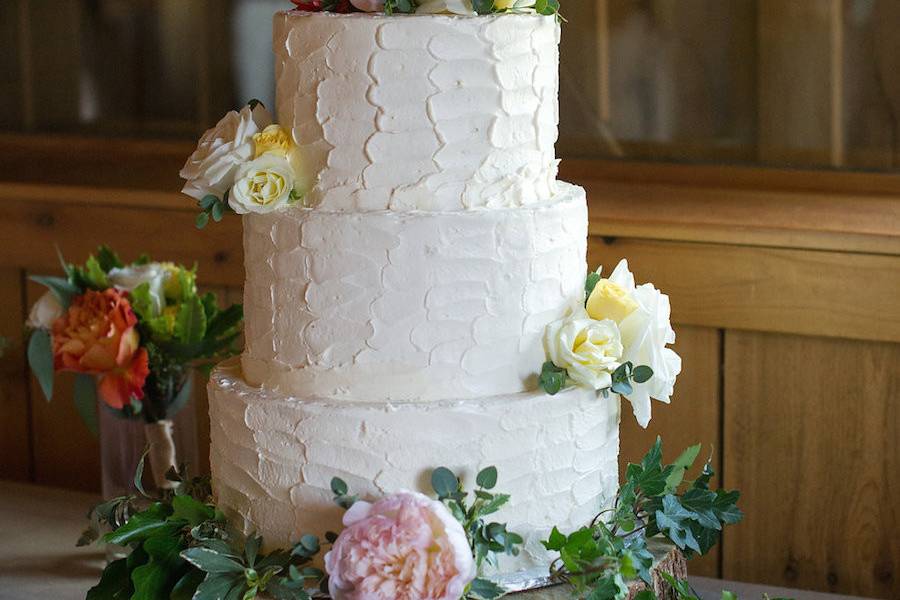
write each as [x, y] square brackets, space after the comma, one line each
[222, 150]
[588, 350]
[153, 274]
[263, 185]
[645, 333]
[45, 311]
[368, 5]
[456, 7]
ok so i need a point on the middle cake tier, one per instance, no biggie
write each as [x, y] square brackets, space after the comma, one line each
[402, 306]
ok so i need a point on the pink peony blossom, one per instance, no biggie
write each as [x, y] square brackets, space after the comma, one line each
[404, 547]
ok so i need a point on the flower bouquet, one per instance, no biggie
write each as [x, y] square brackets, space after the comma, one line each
[133, 334]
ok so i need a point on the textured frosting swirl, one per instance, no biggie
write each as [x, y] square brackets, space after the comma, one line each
[273, 456]
[416, 113]
[409, 306]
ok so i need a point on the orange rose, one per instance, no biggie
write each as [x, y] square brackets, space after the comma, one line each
[97, 335]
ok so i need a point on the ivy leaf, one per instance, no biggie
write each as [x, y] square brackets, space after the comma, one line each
[40, 359]
[556, 541]
[63, 289]
[212, 562]
[115, 583]
[186, 587]
[444, 482]
[486, 589]
[609, 587]
[140, 526]
[681, 464]
[194, 512]
[653, 458]
[85, 398]
[155, 579]
[487, 478]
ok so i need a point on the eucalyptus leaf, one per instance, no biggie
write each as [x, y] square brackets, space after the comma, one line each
[444, 482]
[85, 397]
[40, 359]
[487, 478]
[60, 287]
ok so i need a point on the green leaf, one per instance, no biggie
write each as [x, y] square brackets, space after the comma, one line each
[681, 587]
[552, 378]
[486, 589]
[590, 283]
[642, 374]
[186, 508]
[185, 587]
[212, 562]
[487, 478]
[202, 220]
[207, 202]
[493, 505]
[115, 583]
[139, 473]
[609, 587]
[61, 288]
[190, 323]
[444, 482]
[108, 259]
[95, 274]
[684, 462]
[40, 359]
[645, 595]
[218, 586]
[251, 549]
[85, 398]
[155, 580]
[307, 547]
[726, 595]
[339, 486]
[653, 458]
[556, 541]
[141, 526]
[181, 398]
[623, 388]
[218, 211]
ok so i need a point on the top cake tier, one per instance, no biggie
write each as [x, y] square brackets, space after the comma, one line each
[437, 113]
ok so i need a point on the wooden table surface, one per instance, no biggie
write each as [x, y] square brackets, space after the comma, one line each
[38, 557]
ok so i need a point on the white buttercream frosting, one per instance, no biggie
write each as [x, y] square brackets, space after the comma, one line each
[273, 456]
[428, 113]
[417, 305]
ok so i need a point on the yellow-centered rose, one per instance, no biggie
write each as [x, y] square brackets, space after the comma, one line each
[509, 4]
[610, 301]
[263, 185]
[587, 349]
[274, 139]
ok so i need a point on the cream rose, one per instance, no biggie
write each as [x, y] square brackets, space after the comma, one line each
[456, 7]
[587, 349]
[222, 150]
[645, 333]
[610, 300]
[263, 185]
[45, 311]
[514, 4]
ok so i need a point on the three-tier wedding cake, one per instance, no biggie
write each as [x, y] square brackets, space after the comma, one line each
[396, 309]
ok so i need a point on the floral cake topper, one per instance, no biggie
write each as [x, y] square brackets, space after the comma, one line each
[453, 7]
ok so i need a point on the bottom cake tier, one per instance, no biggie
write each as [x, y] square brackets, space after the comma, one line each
[273, 456]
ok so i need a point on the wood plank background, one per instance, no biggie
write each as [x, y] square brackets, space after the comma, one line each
[790, 351]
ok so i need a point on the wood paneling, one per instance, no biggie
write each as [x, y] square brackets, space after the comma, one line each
[32, 231]
[692, 417]
[15, 426]
[811, 430]
[765, 289]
